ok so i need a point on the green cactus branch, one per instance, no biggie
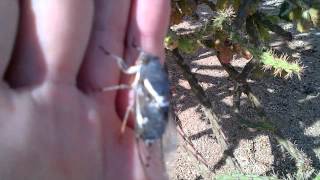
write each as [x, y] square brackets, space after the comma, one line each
[279, 64]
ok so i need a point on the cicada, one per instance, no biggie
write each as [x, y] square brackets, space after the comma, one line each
[151, 105]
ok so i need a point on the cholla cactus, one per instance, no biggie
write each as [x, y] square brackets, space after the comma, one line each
[227, 25]
[280, 64]
[223, 18]
[304, 14]
[238, 27]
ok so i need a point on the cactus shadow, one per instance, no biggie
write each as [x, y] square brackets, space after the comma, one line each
[293, 105]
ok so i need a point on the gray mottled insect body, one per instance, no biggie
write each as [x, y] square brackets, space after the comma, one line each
[151, 109]
[152, 99]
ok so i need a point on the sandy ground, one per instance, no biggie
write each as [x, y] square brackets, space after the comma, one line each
[293, 105]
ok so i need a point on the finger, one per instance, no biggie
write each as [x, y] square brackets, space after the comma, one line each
[148, 26]
[52, 40]
[109, 28]
[120, 157]
[9, 12]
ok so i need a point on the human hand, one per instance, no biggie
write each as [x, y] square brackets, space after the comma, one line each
[54, 122]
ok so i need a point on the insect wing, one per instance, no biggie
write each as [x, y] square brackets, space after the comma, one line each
[159, 158]
[169, 147]
[155, 127]
[158, 78]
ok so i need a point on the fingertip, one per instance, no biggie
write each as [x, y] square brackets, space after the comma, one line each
[148, 26]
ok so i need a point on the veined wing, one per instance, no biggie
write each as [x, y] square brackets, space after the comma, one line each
[169, 146]
[159, 158]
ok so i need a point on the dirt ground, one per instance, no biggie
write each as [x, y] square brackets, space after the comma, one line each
[293, 105]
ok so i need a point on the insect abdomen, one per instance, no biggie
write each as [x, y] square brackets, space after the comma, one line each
[154, 122]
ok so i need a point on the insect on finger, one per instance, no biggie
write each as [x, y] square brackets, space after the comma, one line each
[151, 97]
[151, 94]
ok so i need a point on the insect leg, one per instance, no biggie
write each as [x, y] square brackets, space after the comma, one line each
[129, 108]
[125, 119]
[116, 87]
[121, 63]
